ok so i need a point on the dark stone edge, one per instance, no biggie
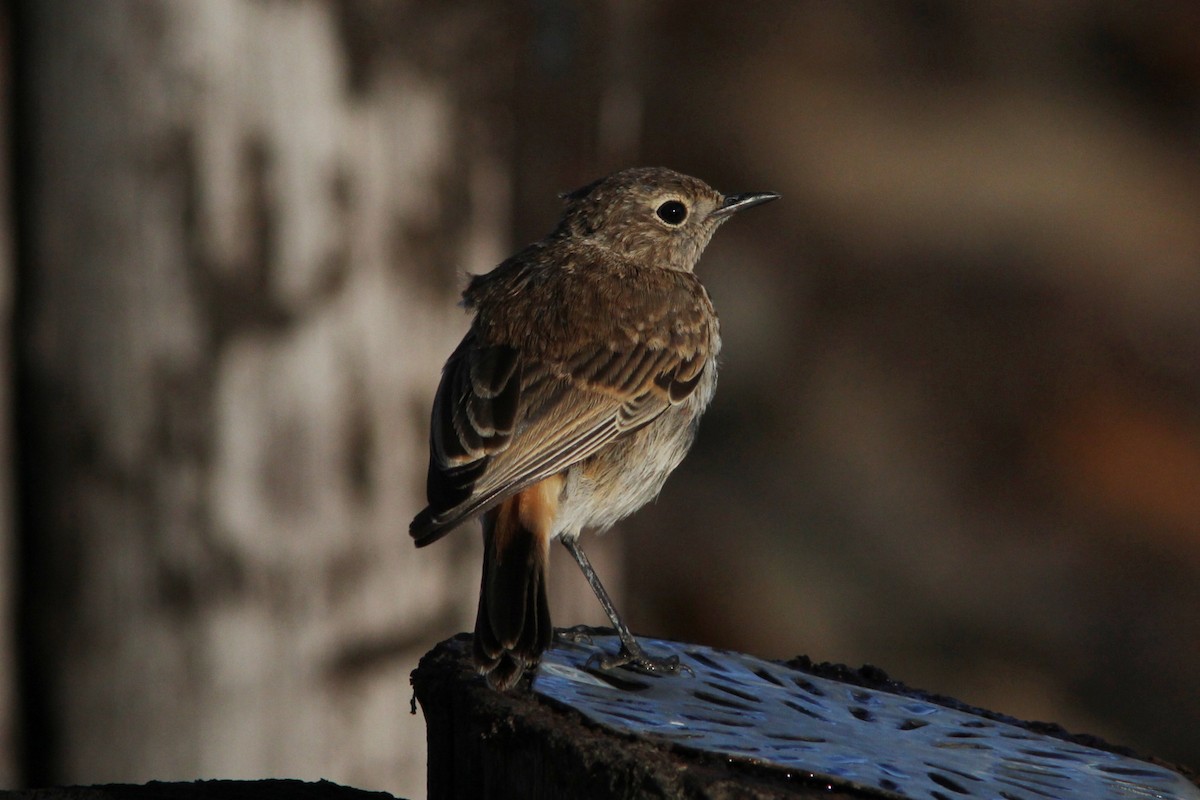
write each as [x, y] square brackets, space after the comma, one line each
[268, 789]
[577, 757]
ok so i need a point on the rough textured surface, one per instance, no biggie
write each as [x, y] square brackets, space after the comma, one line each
[738, 706]
[875, 678]
[531, 747]
[486, 744]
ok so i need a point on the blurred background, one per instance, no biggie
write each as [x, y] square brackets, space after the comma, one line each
[957, 434]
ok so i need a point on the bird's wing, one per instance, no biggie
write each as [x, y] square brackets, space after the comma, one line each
[505, 418]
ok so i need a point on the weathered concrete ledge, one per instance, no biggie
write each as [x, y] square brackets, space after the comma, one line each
[527, 744]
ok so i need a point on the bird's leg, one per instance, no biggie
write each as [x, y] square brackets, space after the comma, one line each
[631, 653]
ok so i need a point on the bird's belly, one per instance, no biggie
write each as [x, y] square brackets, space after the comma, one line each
[604, 489]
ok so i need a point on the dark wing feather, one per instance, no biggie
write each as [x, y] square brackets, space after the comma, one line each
[474, 415]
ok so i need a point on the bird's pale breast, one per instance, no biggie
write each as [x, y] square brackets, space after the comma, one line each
[630, 472]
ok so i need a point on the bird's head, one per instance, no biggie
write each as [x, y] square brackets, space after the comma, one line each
[652, 215]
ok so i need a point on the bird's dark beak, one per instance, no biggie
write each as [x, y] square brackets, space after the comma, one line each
[737, 202]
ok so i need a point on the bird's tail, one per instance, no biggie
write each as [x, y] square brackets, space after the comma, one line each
[512, 628]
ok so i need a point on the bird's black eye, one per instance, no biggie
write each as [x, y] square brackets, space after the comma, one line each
[672, 212]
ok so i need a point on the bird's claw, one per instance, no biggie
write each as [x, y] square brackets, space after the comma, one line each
[640, 662]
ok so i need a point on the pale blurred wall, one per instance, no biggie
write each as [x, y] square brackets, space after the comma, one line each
[242, 229]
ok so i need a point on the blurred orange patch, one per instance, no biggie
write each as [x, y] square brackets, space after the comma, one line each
[1134, 455]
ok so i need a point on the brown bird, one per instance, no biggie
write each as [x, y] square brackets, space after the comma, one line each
[577, 390]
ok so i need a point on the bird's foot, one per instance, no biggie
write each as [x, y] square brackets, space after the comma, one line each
[637, 660]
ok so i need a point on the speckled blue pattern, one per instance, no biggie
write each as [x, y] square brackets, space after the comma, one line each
[747, 708]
